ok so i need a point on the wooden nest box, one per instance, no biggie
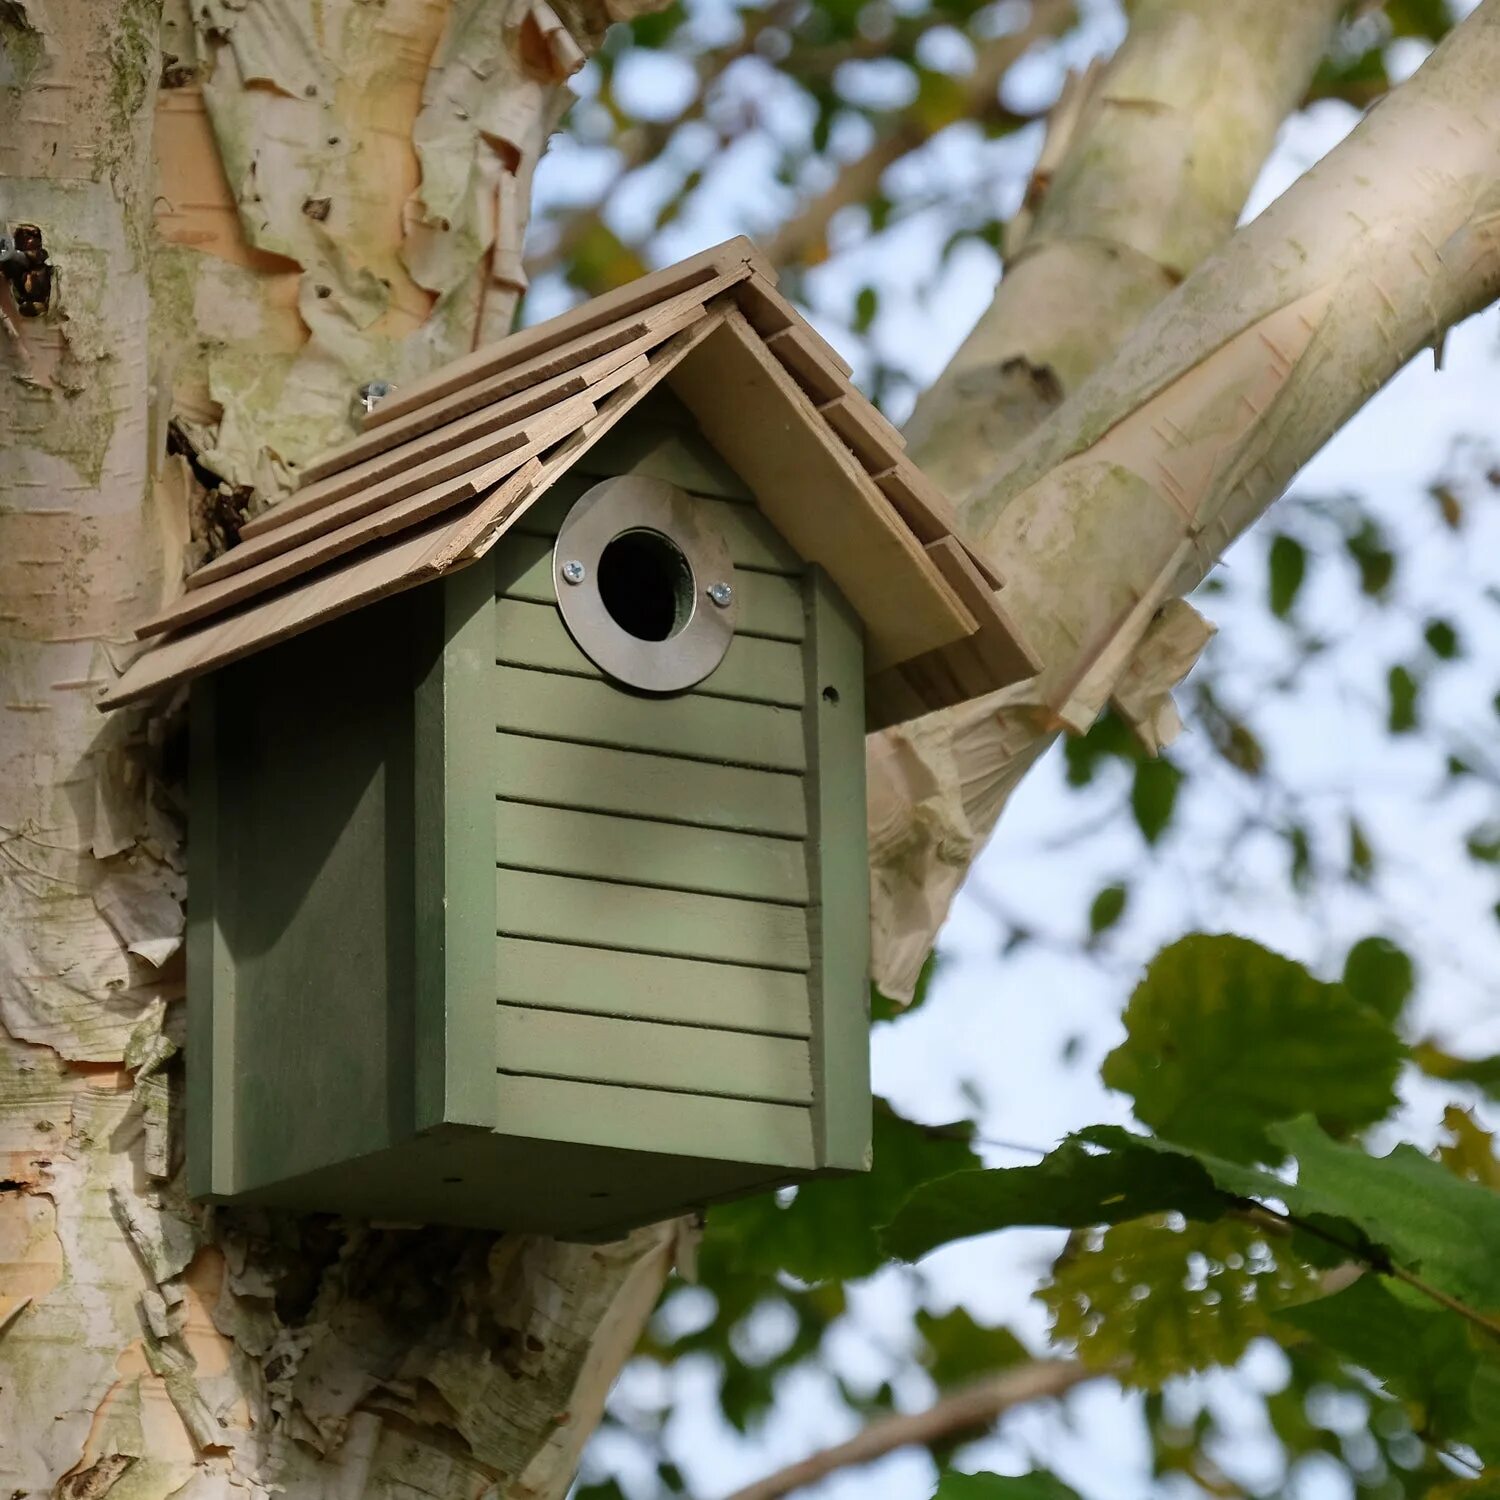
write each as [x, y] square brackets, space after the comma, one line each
[529, 881]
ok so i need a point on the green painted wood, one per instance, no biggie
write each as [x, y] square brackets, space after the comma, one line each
[594, 712]
[454, 752]
[662, 440]
[315, 808]
[752, 541]
[647, 1054]
[594, 779]
[753, 671]
[837, 843]
[643, 919]
[652, 988]
[576, 1190]
[654, 1120]
[768, 604]
[563, 841]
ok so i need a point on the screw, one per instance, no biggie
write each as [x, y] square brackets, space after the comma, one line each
[721, 594]
[371, 394]
[574, 571]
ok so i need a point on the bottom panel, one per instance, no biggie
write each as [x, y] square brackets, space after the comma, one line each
[466, 1176]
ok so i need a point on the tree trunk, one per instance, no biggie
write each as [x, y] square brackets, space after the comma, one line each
[331, 204]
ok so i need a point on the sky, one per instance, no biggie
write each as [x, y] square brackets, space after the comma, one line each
[996, 1029]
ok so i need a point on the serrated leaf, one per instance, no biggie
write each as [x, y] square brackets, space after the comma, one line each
[1038, 1486]
[1153, 796]
[1106, 1177]
[1224, 1037]
[1425, 1354]
[1380, 975]
[1406, 1204]
[1107, 908]
[1168, 1301]
[1286, 565]
[829, 1228]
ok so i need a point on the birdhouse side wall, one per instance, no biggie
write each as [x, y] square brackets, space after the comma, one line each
[302, 931]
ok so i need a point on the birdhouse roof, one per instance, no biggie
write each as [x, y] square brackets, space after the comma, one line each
[445, 465]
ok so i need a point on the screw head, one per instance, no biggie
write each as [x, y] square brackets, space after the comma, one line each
[573, 571]
[371, 394]
[721, 594]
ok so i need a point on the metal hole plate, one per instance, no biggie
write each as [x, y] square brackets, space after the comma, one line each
[629, 503]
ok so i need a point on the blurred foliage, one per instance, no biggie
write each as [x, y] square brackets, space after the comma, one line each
[1260, 1201]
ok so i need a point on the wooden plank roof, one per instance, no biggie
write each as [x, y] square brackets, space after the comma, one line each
[445, 465]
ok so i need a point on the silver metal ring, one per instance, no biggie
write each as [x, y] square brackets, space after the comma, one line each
[633, 567]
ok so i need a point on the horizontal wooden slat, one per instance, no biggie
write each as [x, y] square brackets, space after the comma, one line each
[564, 841]
[373, 486]
[646, 1054]
[692, 726]
[768, 604]
[753, 670]
[652, 1120]
[652, 988]
[752, 541]
[643, 919]
[649, 786]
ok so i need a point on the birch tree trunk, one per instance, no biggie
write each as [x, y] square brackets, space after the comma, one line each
[248, 219]
[253, 207]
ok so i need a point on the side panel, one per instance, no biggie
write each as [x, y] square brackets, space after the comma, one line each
[308, 958]
[839, 918]
[453, 766]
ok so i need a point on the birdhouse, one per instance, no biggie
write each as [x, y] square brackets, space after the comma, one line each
[527, 811]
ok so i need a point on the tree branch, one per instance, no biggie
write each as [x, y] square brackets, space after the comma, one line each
[1161, 150]
[970, 1408]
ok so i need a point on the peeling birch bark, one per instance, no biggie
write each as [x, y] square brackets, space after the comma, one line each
[337, 192]
[1125, 498]
[1146, 167]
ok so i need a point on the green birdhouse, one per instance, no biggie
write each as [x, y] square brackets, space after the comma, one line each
[528, 852]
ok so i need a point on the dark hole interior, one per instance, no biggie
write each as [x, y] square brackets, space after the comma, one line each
[646, 585]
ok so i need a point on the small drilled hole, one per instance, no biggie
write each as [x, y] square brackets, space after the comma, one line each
[646, 585]
[830, 695]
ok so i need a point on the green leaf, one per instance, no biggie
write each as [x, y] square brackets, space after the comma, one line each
[1224, 1037]
[1107, 908]
[1153, 796]
[1036, 1486]
[1287, 566]
[956, 1349]
[1402, 689]
[1483, 844]
[1169, 1300]
[1104, 1177]
[829, 1228]
[866, 305]
[1375, 561]
[1442, 640]
[1380, 975]
[1423, 1353]
[1407, 1205]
